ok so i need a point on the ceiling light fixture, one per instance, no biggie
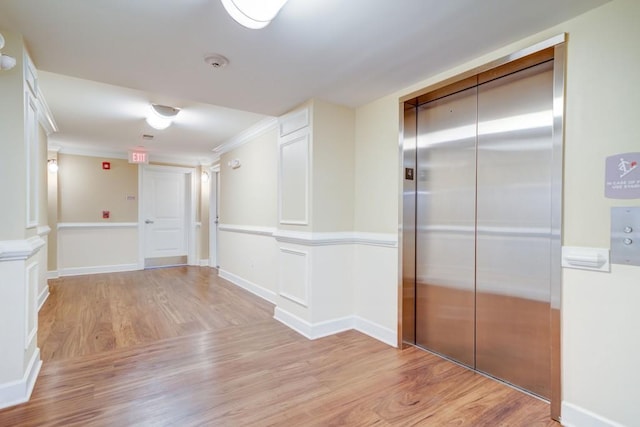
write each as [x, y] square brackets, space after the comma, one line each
[161, 116]
[52, 165]
[6, 62]
[254, 14]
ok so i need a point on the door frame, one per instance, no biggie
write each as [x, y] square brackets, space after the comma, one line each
[407, 148]
[214, 211]
[190, 209]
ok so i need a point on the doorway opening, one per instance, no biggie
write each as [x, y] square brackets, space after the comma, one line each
[167, 216]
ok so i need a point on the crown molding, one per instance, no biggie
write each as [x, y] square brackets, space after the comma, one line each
[247, 135]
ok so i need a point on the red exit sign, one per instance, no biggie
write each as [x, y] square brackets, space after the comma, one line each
[138, 157]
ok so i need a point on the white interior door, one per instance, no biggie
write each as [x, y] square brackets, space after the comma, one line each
[165, 217]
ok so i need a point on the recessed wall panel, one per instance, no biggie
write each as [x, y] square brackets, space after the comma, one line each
[294, 181]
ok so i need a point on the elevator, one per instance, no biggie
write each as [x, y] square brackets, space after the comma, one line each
[481, 204]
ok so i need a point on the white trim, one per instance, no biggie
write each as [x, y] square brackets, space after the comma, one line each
[67, 148]
[31, 312]
[17, 392]
[308, 162]
[42, 297]
[185, 161]
[53, 274]
[32, 149]
[63, 225]
[296, 120]
[14, 250]
[45, 117]
[314, 331]
[247, 229]
[247, 135]
[263, 293]
[376, 331]
[43, 230]
[389, 240]
[204, 262]
[336, 238]
[88, 152]
[99, 269]
[306, 238]
[576, 416]
[307, 279]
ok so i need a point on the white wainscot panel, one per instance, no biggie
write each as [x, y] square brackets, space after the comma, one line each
[294, 181]
[248, 258]
[31, 292]
[293, 275]
[376, 290]
[86, 248]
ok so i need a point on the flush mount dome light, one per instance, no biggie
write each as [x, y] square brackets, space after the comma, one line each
[253, 14]
[161, 116]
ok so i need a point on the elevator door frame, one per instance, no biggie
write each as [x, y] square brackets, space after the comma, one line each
[408, 145]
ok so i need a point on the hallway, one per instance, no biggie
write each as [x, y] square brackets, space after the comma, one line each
[180, 346]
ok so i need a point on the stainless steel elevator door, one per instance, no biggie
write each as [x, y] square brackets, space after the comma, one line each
[445, 226]
[515, 129]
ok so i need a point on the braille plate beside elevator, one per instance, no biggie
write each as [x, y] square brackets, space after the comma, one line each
[625, 235]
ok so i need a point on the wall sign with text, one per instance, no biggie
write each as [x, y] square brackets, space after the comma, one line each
[622, 176]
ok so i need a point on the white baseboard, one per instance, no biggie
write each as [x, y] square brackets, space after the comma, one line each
[17, 392]
[309, 330]
[249, 286]
[374, 330]
[204, 263]
[79, 271]
[576, 416]
[53, 275]
[43, 297]
[330, 327]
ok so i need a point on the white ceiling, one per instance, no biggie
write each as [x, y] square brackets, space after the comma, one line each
[343, 51]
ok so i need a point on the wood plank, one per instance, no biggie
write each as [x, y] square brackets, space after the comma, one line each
[183, 347]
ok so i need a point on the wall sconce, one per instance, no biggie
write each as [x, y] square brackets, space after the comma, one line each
[234, 164]
[52, 165]
[6, 62]
[161, 116]
[254, 14]
[205, 176]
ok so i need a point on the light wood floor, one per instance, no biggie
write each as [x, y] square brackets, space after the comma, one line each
[181, 347]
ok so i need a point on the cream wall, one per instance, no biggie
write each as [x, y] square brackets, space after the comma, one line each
[248, 194]
[600, 317]
[333, 167]
[12, 136]
[247, 251]
[85, 189]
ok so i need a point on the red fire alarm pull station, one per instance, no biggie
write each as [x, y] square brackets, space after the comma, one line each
[105, 214]
[106, 165]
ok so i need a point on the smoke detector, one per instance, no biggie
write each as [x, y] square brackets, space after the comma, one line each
[216, 60]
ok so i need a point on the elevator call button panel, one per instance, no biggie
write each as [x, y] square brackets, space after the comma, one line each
[625, 235]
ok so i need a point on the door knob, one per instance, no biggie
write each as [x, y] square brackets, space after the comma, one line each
[148, 221]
